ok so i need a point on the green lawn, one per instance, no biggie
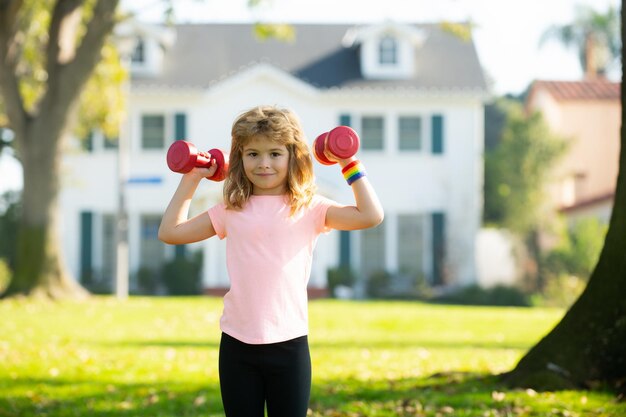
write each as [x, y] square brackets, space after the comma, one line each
[158, 357]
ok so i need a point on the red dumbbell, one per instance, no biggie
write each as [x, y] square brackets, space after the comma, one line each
[183, 156]
[342, 142]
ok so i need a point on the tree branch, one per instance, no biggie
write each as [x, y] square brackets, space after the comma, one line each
[98, 28]
[62, 33]
[66, 79]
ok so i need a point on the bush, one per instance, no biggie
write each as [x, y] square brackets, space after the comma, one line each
[341, 276]
[578, 249]
[499, 295]
[5, 275]
[379, 284]
[9, 219]
[181, 275]
[561, 291]
[148, 280]
[96, 283]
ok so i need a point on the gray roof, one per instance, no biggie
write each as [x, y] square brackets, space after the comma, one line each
[205, 53]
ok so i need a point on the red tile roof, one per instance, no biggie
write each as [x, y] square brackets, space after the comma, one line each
[600, 89]
[600, 199]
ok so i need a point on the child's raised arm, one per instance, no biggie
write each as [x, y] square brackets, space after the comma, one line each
[176, 228]
[368, 211]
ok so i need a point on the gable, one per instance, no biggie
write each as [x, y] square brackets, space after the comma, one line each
[387, 50]
[262, 73]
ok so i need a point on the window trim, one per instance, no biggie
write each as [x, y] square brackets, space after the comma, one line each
[383, 118]
[388, 51]
[421, 143]
[166, 129]
[138, 55]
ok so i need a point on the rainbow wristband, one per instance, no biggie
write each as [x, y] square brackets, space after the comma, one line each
[353, 171]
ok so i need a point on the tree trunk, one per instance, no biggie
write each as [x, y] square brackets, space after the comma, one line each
[591, 64]
[588, 346]
[40, 270]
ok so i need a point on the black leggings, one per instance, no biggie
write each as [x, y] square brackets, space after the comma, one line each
[278, 374]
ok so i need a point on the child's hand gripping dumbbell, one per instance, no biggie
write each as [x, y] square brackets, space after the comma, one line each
[341, 143]
[183, 156]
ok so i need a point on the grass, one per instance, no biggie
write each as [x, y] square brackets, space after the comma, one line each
[158, 357]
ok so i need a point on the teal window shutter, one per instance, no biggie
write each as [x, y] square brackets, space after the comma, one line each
[344, 248]
[181, 251]
[86, 246]
[87, 142]
[439, 247]
[344, 235]
[180, 126]
[437, 131]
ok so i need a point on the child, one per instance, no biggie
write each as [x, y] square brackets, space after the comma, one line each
[271, 218]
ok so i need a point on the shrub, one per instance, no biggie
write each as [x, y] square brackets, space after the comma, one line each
[181, 275]
[341, 276]
[560, 291]
[5, 275]
[9, 219]
[148, 280]
[499, 295]
[378, 284]
[578, 250]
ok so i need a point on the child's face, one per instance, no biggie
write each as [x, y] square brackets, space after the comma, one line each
[266, 165]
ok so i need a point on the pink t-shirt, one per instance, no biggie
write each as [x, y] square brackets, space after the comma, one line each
[268, 256]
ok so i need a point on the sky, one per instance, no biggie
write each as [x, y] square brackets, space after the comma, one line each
[506, 33]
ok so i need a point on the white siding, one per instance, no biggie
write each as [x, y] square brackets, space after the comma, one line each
[408, 182]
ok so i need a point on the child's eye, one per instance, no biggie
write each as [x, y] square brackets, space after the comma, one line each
[252, 154]
[275, 154]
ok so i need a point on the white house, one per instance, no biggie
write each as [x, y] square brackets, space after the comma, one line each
[414, 93]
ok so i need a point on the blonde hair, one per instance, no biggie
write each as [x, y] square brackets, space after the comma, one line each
[280, 126]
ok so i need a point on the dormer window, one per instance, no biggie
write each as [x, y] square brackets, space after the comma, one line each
[388, 51]
[148, 47]
[139, 54]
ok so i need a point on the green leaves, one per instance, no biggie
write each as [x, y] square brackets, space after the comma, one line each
[102, 102]
[595, 35]
[281, 32]
[518, 168]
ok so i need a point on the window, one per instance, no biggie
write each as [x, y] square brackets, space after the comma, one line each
[410, 133]
[87, 142]
[388, 51]
[138, 56]
[152, 250]
[372, 133]
[373, 250]
[152, 131]
[410, 244]
[110, 142]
